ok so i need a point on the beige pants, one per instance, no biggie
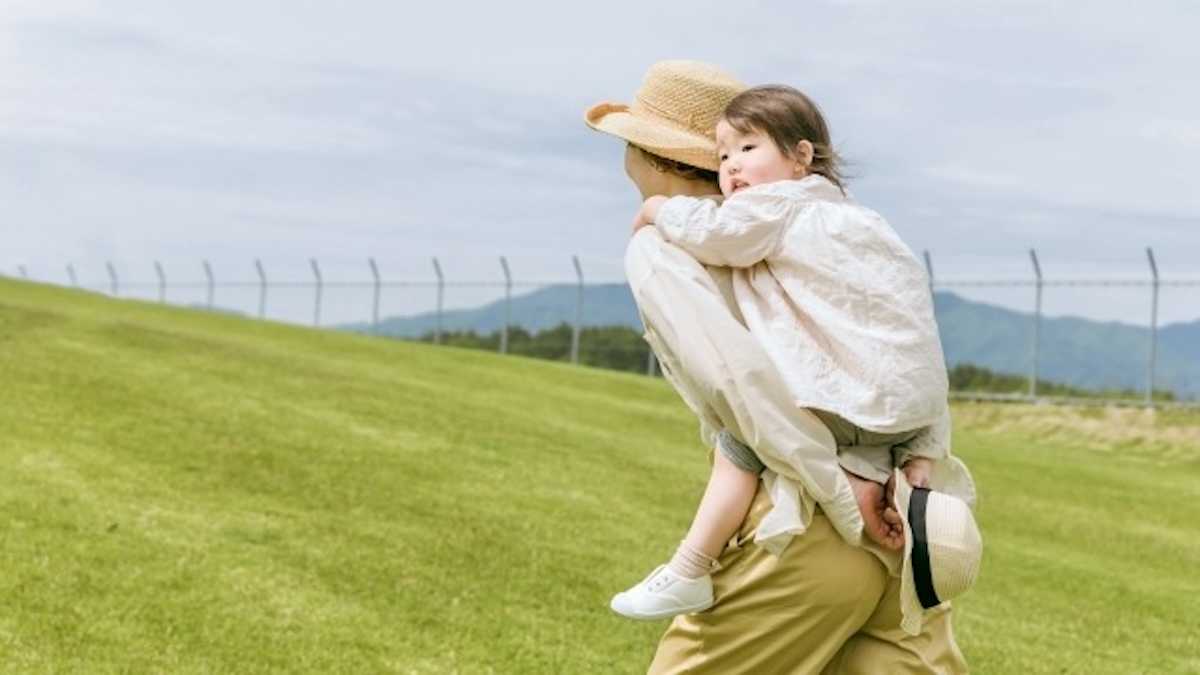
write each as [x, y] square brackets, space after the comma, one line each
[823, 606]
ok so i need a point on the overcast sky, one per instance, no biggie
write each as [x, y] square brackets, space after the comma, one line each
[135, 131]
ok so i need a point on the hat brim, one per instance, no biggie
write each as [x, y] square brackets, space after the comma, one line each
[961, 496]
[660, 139]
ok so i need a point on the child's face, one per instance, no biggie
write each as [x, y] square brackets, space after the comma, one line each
[749, 159]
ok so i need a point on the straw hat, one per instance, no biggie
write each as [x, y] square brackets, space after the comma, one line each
[942, 550]
[674, 114]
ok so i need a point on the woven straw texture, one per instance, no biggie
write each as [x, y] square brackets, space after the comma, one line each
[675, 112]
[955, 550]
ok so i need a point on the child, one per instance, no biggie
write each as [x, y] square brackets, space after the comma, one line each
[838, 301]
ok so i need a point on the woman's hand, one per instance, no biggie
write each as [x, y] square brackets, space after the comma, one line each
[882, 524]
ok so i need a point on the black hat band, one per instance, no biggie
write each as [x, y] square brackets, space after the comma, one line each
[922, 572]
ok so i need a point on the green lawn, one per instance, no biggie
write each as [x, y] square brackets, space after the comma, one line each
[185, 492]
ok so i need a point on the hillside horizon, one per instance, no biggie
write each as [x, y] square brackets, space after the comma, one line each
[1072, 350]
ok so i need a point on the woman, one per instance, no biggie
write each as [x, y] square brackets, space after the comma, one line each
[819, 603]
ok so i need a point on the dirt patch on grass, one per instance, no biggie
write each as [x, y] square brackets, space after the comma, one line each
[1175, 433]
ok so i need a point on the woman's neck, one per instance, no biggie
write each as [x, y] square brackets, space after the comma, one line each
[677, 185]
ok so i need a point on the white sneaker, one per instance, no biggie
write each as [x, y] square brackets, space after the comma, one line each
[663, 594]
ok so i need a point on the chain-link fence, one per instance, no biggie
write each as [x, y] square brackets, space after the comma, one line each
[429, 304]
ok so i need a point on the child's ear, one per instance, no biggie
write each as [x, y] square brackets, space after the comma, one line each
[804, 153]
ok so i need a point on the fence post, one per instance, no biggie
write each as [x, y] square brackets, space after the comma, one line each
[162, 282]
[1153, 328]
[71, 275]
[112, 277]
[317, 300]
[262, 289]
[1037, 326]
[375, 297]
[212, 284]
[22, 272]
[578, 327]
[441, 292]
[929, 269]
[507, 306]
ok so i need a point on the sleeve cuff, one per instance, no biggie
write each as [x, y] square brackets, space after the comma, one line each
[869, 462]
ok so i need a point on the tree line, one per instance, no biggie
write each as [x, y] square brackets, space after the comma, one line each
[622, 348]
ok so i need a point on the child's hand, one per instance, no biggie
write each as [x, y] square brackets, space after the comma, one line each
[918, 471]
[648, 214]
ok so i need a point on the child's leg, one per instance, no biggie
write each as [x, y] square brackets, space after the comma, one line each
[684, 584]
[722, 509]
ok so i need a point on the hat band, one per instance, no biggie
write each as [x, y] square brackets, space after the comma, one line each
[921, 569]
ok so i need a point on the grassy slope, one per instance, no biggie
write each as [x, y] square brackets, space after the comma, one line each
[1092, 544]
[193, 493]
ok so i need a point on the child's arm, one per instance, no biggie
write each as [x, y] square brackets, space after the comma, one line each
[740, 232]
[648, 214]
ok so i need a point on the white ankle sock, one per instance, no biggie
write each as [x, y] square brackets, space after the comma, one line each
[690, 563]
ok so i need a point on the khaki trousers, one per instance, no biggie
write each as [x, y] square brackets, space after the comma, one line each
[822, 607]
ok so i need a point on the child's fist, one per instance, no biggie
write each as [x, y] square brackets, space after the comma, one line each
[917, 471]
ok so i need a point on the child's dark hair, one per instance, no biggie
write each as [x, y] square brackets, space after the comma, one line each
[787, 116]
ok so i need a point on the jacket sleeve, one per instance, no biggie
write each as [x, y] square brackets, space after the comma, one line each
[746, 229]
[933, 442]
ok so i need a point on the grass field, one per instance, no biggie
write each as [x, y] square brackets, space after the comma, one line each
[182, 492]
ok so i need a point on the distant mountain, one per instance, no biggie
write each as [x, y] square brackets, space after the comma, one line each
[1073, 351]
[1078, 352]
[603, 305]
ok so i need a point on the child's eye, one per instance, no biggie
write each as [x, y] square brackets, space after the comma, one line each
[748, 147]
[721, 157]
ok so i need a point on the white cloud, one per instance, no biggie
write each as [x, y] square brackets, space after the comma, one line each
[135, 130]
